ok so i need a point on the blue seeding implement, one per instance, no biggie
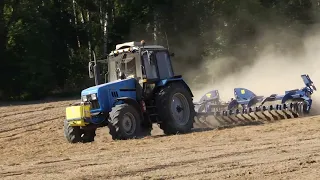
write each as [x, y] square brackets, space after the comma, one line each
[247, 106]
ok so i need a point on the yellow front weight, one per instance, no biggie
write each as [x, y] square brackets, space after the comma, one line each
[77, 122]
[75, 115]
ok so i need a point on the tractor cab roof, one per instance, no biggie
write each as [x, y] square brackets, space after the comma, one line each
[131, 47]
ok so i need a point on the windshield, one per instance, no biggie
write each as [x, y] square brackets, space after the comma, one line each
[122, 67]
[128, 67]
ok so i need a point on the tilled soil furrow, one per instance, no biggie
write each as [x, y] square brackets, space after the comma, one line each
[23, 108]
[23, 120]
[20, 134]
[3, 115]
[30, 130]
[30, 124]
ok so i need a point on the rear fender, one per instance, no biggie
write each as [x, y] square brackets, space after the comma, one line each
[164, 82]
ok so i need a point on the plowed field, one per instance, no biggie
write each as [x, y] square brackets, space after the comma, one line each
[32, 146]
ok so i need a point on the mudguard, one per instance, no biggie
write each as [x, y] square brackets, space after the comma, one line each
[130, 101]
[176, 78]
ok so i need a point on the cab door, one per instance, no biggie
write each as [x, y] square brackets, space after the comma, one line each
[150, 66]
[164, 65]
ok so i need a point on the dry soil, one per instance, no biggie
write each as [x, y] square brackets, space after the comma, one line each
[32, 146]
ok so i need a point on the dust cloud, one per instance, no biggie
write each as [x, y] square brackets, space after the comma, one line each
[271, 72]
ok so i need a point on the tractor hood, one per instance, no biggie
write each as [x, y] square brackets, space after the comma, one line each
[107, 93]
[121, 84]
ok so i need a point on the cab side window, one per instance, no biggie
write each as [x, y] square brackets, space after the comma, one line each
[150, 67]
[164, 65]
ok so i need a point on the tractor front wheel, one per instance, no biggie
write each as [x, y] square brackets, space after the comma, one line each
[124, 122]
[74, 134]
[71, 133]
[175, 109]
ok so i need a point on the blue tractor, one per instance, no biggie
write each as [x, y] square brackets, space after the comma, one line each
[139, 89]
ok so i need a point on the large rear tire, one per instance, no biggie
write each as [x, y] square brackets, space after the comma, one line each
[175, 109]
[124, 122]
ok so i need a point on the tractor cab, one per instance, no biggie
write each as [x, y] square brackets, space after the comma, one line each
[149, 63]
[146, 64]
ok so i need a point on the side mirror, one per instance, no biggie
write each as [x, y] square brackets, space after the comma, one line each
[90, 69]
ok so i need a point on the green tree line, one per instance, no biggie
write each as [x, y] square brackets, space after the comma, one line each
[45, 45]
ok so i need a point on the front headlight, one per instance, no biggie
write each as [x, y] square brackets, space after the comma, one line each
[84, 98]
[94, 96]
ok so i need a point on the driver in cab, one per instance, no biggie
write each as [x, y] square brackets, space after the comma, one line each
[127, 68]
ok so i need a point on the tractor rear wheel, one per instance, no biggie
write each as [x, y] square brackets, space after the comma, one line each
[175, 109]
[124, 122]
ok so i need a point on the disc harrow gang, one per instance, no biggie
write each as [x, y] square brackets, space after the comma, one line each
[247, 107]
[279, 111]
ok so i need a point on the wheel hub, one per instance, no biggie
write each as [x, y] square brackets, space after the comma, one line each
[180, 108]
[128, 123]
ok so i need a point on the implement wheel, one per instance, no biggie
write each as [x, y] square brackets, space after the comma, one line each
[175, 109]
[124, 122]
